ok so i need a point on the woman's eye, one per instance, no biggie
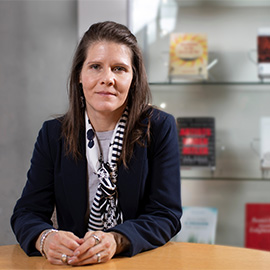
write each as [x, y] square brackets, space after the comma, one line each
[119, 69]
[95, 66]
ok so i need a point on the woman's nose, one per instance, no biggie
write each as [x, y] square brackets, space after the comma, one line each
[108, 78]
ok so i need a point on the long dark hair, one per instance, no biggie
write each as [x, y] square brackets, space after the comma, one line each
[138, 98]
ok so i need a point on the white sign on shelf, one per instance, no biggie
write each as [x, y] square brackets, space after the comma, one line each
[198, 225]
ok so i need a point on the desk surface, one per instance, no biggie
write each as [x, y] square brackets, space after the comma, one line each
[174, 255]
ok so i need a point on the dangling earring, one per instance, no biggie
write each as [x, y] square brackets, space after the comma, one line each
[82, 102]
[82, 97]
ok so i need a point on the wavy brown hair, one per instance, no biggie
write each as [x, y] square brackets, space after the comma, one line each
[139, 96]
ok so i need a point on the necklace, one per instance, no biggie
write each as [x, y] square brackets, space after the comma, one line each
[91, 134]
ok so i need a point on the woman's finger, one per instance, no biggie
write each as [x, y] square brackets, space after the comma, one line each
[91, 239]
[60, 243]
[93, 251]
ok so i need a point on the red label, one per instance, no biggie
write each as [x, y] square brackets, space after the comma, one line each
[197, 141]
[195, 151]
[264, 49]
[195, 131]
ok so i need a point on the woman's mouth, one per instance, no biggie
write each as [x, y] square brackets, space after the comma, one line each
[105, 93]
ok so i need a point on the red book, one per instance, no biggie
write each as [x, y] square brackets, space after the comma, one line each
[258, 226]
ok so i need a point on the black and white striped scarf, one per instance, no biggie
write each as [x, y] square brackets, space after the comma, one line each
[105, 212]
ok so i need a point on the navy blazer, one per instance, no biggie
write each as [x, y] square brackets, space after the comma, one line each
[149, 190]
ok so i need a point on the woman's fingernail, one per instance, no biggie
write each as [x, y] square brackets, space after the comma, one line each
[77, 253]
[70, 261]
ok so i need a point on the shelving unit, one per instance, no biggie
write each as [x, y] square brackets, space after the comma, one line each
[233, 93]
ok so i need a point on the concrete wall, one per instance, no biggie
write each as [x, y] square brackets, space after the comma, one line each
[92, 11]
[37, 41]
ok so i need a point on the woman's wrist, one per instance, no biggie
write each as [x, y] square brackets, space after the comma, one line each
[41, 240]
[122, 243]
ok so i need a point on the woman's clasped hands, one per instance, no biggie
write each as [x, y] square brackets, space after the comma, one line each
[63, 247]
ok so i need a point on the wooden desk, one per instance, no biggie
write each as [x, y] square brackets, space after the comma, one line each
[172, 256]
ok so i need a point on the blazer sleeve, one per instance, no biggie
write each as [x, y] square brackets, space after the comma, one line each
[159, 217]
[33, 211]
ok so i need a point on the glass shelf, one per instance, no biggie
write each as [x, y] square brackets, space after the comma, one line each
[219, 3]
[225, 179]
[209, 83]
[237, 109]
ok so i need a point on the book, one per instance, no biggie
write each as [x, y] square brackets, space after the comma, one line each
[257, 229]
[198, 225]
[196, 138]
[188, 56]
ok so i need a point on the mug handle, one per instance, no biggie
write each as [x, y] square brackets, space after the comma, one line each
[251, 55]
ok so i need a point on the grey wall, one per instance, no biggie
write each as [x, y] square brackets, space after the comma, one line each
[92, 11]
[37, 41]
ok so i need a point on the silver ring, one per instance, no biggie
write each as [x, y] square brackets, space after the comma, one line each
[97, 239]
[64, 258]
[98, 258]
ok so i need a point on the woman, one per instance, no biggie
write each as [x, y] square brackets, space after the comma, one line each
[110, 165]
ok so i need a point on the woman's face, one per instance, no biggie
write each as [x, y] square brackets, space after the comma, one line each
[106, 77]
